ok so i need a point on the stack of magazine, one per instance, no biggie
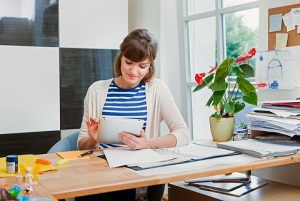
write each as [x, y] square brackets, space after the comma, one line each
[281, 117]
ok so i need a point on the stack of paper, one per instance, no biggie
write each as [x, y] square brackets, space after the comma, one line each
[259, 149]
[280, 117]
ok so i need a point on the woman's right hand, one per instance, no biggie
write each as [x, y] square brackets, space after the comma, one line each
[93, 126]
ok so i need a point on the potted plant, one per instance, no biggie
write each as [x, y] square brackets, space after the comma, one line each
[228, 102]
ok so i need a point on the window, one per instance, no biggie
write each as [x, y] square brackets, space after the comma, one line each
[214, 30]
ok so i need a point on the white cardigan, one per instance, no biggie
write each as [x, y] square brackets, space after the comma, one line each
[160, 107]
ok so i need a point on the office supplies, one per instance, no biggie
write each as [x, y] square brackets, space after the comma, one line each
[25, 160]
[69, 154]
[12, 164]
[62, 162]
[86, 153]
[43, 161]
[259, 149]
[111, 127]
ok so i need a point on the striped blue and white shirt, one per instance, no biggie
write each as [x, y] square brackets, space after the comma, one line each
[126, 103]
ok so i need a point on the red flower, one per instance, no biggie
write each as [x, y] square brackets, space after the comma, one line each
[199, 77]
[261, 85]
[243, 58]
[212, 69]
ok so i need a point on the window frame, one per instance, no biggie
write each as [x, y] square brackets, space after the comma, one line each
[218, 13]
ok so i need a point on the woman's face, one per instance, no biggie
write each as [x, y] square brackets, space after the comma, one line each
[133, 72]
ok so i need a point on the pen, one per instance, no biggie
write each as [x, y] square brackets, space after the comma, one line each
[87, 153]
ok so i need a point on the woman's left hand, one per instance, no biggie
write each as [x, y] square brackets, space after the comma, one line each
[135, 142]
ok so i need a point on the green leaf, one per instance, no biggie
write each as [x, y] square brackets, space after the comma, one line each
[245, 86]
[230, 107]
[224, 69]
[209, 102]
[217, 96]
[217, 116]
[250, 98]
[218, 86]
[236, 71]
[205, 82]
[247, 70]
[239, 106]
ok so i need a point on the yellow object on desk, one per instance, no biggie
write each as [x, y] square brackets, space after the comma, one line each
[75, 154]
[27, 161]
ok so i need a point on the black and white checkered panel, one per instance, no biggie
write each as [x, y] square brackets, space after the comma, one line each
[50, 52]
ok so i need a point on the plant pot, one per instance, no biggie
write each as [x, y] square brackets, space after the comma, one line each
[222, 129]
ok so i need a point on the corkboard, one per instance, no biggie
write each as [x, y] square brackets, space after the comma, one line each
[293, 37]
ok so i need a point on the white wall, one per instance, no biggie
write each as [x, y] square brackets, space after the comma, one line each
[287, 174]
[160, 18]
[93, 23]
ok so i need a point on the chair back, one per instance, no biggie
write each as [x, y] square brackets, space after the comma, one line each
[68, 143]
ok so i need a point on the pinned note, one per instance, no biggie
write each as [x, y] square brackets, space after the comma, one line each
[281, 41]
[289, 21]
[275, 22]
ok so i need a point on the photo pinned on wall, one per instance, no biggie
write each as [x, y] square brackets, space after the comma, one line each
[278, 68]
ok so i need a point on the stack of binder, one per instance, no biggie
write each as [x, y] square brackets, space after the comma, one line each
[281, 117]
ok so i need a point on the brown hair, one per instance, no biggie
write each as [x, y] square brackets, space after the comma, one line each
[137, 46]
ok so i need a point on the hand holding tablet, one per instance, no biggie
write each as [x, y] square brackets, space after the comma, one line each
[111, 127]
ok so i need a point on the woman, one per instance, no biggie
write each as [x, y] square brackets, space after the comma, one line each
[135, 92]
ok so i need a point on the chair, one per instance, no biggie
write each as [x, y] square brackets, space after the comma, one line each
[68, 143]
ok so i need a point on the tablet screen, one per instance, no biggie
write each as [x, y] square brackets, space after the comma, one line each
[111, 127]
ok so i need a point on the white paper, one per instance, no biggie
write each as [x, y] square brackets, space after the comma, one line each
[288, 19]
[296, 15]
[119, 156]
[197, 151]
[198, 166]
[279, 113]
[298, 29]
[289, 123]
[278, 69]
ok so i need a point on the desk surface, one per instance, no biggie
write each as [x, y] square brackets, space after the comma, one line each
[91, 176]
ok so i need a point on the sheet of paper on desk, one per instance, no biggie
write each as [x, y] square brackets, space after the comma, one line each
[119, 156]
[185, 154]
[197, 151]
[199, 165]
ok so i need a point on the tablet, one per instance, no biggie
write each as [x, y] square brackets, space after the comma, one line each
[110, 127]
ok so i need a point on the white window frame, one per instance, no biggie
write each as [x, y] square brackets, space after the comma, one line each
[184, 18]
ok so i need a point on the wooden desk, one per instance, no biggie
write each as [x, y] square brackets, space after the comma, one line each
[273, 191]
[91, 176]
